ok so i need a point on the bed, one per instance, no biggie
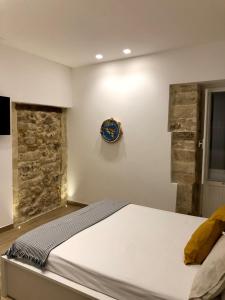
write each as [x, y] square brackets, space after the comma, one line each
[136, 253]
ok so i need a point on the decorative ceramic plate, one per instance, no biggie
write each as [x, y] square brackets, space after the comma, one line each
[111, 130]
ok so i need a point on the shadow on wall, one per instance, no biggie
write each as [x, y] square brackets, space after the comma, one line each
[111, 152]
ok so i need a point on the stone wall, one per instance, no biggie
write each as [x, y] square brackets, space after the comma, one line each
[184, 123]
[39, 160]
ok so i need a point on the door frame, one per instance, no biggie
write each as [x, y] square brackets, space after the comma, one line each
[206, 142]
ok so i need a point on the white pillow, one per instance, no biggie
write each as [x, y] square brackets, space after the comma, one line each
[209, 281]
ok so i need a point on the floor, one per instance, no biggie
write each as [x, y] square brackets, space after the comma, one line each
[7, 237]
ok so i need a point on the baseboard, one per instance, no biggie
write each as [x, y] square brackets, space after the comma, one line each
[11, 226]
[5, 228]
[35, 218]
[69, 202]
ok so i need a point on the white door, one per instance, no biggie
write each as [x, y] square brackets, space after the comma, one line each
[213, 152]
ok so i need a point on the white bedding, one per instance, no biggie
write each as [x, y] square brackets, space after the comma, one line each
[137, 253]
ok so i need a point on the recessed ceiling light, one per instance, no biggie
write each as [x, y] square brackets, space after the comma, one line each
[99, 56]
[127, 51]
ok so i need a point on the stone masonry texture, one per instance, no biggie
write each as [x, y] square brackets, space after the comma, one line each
[38, 165]
[184, 127]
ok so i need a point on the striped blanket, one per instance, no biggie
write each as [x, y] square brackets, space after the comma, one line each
[34, 247]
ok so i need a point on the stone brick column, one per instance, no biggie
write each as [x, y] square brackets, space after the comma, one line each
[184, 123]
[39, 160]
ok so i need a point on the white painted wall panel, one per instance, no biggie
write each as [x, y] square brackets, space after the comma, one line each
[31, 79]
[135, 92]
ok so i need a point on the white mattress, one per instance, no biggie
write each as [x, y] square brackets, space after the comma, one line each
[137, 253]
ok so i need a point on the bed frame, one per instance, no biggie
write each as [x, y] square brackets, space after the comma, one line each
[20, 281]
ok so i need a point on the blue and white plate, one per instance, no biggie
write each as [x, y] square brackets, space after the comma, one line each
[111, 130]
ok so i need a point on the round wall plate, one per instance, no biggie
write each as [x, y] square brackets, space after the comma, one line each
[111, 130]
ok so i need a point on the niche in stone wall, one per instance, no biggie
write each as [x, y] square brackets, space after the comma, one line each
[39, 160]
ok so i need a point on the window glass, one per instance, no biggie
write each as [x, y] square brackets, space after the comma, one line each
[217, 138]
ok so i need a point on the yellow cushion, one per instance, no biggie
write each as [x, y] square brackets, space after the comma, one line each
[219, 214]
[202, 241]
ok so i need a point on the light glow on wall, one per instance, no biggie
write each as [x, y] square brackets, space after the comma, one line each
[124, 83]
[71, 189]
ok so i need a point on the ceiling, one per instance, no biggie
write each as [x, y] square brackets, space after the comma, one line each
[71, 32]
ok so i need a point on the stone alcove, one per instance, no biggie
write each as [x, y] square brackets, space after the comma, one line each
[39, 160]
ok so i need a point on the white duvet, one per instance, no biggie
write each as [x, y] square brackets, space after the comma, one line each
[137, 253]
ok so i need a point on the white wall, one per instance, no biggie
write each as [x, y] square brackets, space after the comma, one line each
[27, 78]
[136, 92]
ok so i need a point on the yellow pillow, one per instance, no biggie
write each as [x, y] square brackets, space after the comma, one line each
[202, 241]
[219, 214]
